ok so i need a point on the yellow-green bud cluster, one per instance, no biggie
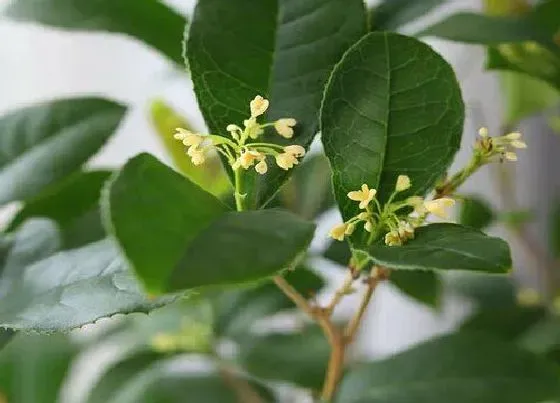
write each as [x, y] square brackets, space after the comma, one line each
[500, 148]
[398, 227]
[241, 151]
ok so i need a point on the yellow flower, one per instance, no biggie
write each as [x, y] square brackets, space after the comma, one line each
[286, 160]
[438, 207]
[247, 159]
[364, 196]
[513, 136]
[403, 183]
[392, 239]
[368, 226]
[284, 127]
[252, 128]
[261, 167]
[234, 131]
[350, 229]
[405, 230]
[197, 155]
[483, 132]
[338, 232]
[258, 106]
[510, 156]
[295, 150]
[363, 216]
[187, 137]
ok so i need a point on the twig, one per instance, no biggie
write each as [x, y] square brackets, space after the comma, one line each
[377, 275]
[295, 296]
[335, 366]
[341, 292]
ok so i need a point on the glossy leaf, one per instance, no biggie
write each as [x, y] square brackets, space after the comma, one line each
[44, 143]
[300, 358]
[507, 323]
[237, 310]
[34, 241]
[33, 368]
[390, 15]
[282, 50]
[463, 368]
[476, 213]
[488, 291]
[73, 205]
[339, 252]
[392, 106]
[149, 21]
[445, 247]
[211, 175]
[154, 214]
[485, 29]
[423, 286]
[192, 241]
[68, 289]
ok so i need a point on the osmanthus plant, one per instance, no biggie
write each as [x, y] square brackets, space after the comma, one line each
[213, 251]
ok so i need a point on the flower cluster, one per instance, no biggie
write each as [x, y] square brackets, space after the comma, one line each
[242, 151]
[491, 149]
[398, 226]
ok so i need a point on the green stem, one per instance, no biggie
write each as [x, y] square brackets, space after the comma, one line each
[240, 196]
[460, 177]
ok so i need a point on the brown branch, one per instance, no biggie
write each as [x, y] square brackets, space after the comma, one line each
[377, 275]
[341, 292]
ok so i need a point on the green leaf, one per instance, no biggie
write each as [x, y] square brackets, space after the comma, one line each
[507, 323]
[33, 368]
[489, 291]
[68, 289]
[423, 286]
[300, 358]
[485, 29]
[149, 21]
[445, 246]
[338, 252]
[309, 192]
[525, 96]
[193, 242]
[155, 213]
[463, 368]
[237, 310]
[44, 143]
[161, 385]
[73, 204]
[392, 14]
[392, 106]
[211, 175]
[476, 213]
[119, 374]
[282, 50]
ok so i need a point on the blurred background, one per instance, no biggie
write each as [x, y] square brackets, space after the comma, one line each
[39, 63]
